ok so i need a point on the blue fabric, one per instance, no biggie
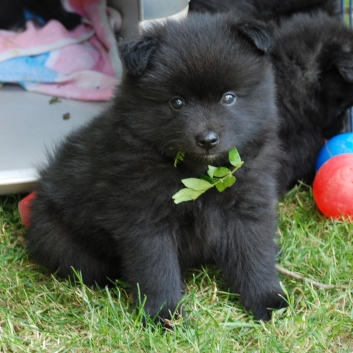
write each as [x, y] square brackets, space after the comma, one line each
[31, 16]
[27, 69]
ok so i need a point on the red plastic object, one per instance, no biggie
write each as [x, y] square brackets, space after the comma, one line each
[333, 187]
[24, 209]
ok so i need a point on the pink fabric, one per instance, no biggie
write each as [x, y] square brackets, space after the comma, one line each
[36, 40]
[79, 64]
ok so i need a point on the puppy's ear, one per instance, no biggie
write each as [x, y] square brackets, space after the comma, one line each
[136, 54]
[257, 33]
[345, 68]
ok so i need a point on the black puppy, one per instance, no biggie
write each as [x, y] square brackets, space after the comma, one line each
[12, 13]
[313, 61]
[104, 201]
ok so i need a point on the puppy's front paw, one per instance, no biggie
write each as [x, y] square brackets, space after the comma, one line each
[165, 317]
[263, 305]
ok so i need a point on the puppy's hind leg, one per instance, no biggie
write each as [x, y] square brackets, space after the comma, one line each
[53, 245]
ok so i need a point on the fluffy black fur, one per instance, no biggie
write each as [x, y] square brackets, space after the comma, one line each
[12, 13]
[104, 202]
[313, 61]
[267, 9]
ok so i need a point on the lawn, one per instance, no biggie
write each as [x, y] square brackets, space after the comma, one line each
[39, 312]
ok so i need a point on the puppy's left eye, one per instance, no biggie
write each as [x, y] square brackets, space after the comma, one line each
[228, 98]
[177, 103]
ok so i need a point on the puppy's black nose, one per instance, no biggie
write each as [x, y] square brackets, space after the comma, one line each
[207, 140]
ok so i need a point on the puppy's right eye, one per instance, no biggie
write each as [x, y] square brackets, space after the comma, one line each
[228, 98]
[177, 103]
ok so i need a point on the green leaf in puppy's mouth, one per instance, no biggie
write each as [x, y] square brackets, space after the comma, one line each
[219, 177]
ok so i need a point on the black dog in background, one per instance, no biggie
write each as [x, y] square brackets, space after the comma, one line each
[273, 10]
[313, 62]
[104, 201]
[12, 13]
[312, 56]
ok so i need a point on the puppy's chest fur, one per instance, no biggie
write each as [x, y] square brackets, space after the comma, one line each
[201, 224]
[200, 229]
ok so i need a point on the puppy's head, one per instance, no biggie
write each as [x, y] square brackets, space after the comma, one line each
[201, 86]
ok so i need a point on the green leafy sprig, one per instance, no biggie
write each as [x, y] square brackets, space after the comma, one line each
[219, 177]
[179, 158]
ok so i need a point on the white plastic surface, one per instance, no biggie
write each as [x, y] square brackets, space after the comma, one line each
[30, 125]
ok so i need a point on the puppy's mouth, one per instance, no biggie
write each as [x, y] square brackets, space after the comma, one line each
[206, 158]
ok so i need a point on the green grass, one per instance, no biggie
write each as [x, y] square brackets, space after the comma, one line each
[41, 313]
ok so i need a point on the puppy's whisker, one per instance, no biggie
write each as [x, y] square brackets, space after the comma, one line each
[170, 143]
